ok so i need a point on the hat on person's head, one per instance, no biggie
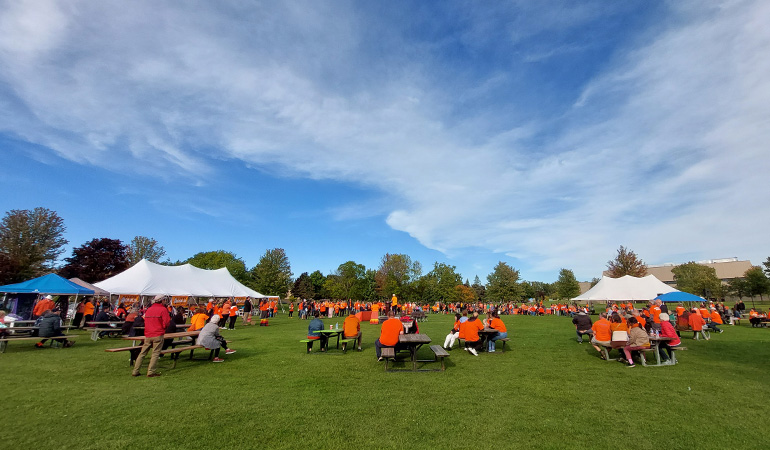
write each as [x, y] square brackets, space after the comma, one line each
[664, 317]
[215, 318]
[582, 313]
[48, 297]
[159, 298]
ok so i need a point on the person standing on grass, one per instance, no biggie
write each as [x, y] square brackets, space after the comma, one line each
[156, 319]
[211, 339]
[351, 328]
[502, 332]
[291, 309]
[247, 308]
[88, 311]
[233, 315]
[583, 325]
[602, 334]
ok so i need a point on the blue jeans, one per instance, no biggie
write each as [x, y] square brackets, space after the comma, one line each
[499, 335]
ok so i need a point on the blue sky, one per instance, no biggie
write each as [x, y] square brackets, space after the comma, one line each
[542, 134]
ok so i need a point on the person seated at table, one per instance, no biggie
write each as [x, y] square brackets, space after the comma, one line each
[470, 330]
[351, 328]
[198, 320]
[210, 339]
[314, 332]
[449, 342]
[129, 322]
[637, 340]
[410, 325]
[616, 323]
[391, 329]
[716, 319]
[178, 317]
[50, 327]
[683, 321]
[583, 325]
[696, 322]
[502, 332]
[104, 316]
[667, 330]
[602, 334]
[137, 327]
[3, 327]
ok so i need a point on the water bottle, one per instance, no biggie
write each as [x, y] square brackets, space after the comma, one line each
[337, 326]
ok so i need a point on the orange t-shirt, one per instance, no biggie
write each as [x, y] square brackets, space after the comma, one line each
[716, 318]
[233, 310]
[498, 325]
[351, 326]
[680, 310]
[642, 321]
[470, 329]
[390, 331]
[602, 331]
[618, 327]
[198, 321]
[89, 309]
[655, 310]
[696, 322]
[704, 312]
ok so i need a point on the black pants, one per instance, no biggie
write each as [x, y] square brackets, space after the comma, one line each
[476, 345]
[232, 322]
[223, 345]
[87, 319]
[78, 318]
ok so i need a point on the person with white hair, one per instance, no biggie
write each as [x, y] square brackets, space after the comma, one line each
[211, 339]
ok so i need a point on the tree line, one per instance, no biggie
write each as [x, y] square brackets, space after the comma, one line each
[31, 242]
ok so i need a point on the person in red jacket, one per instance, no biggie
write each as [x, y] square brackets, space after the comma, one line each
[156, 319]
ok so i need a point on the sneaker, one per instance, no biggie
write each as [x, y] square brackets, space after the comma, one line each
[218, 360]
[721, 331]
[473, 351]
[229, 351]
[380, 358]
[631, 365]
[39, 345]
[156, 374]
[136, 374]
[69, 344]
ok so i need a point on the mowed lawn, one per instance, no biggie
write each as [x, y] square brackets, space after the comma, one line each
[546, 391]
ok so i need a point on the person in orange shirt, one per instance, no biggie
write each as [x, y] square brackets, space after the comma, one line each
[44, 304]
[263, 312]
[351, 329]
[696, 322]
[394, 303]
[210, 307]
[502, 331]
[198, 320]
[602, 333]
[88, 312]
[704, 312]
[233, 315]
[291, 309]
[389, 333]
[470, 330]
[680, 310]
[655, 312]
[716, 319]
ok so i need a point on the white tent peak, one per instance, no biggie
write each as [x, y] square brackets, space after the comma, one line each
[148, 278]
[626, 287]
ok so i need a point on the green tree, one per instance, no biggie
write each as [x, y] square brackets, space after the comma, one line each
[465, 294]
[697, 279]
[347, 281]
[503, 284]
[30, 243]
[626, 263]
[369, 286]
[96, 260]
[272, 274]
[595, 281]
[479, 288]
[142, 247]
[220, 258]
[767, 266]
[303, 287]
[440, 283]
[757, 282]
[567, 285]
[319, 280]
[738, 287]
[396, 274]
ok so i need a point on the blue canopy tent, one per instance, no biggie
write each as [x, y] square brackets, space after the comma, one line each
[47, 284]
[680, 296]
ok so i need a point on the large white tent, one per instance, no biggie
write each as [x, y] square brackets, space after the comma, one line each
[148, 279]
[625, 288]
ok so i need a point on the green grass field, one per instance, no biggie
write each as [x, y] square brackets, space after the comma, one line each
[546, 391]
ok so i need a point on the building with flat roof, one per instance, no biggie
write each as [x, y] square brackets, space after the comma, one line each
[726, 268]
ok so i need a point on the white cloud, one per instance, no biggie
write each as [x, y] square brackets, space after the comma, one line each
[662, 152]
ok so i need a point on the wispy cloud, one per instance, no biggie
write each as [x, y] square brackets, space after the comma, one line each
[661, 150]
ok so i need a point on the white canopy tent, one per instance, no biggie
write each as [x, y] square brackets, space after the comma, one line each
[625, 288]
[149, 279]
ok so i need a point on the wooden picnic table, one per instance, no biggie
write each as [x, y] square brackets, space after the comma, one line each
[485, 334]
[655, 346]
[413, 342]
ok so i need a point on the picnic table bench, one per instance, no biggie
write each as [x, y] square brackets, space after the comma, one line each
[4, 341]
